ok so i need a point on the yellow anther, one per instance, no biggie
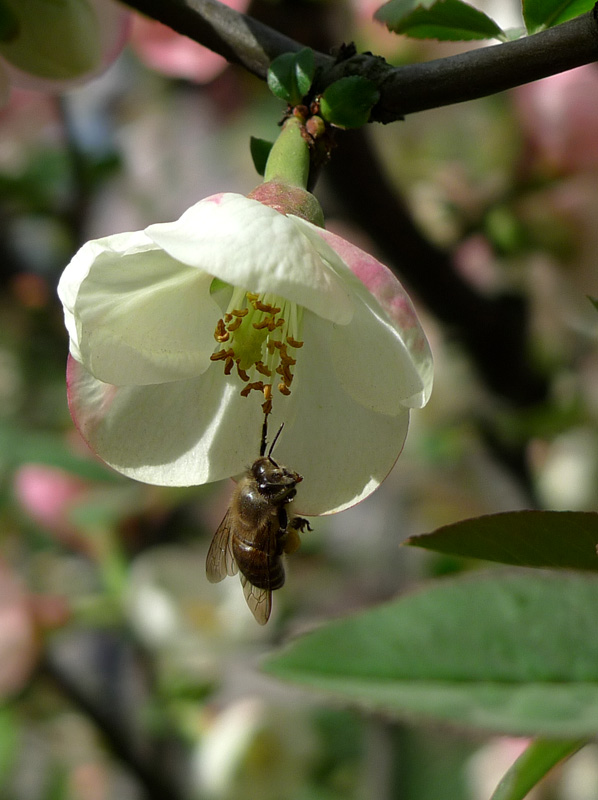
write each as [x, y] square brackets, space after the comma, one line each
[228, 366]
[242, 374]
[261, 367]
[257, 385]
[222, 355]
[221, 334]
[294, 342]
[233, 326]
[284, 389]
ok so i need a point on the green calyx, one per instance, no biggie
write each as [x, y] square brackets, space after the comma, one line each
[288, 161]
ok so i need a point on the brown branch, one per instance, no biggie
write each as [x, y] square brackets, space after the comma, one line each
[403, 90]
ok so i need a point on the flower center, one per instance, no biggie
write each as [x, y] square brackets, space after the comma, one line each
[259, 332]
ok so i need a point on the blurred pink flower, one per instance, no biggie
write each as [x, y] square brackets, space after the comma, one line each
[560, 118]
[174, 55]
[47, 494]
[18, 640]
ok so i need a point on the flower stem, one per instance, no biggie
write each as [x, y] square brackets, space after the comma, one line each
[288, 161]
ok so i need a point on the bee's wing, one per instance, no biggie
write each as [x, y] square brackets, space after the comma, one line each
[258, 600]
[220, 561]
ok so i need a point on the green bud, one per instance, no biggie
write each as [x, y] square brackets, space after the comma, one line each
[56, 40]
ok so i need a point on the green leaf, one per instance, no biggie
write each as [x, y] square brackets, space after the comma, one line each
[304, 70]
[290, 75]
[532, 765]
[440, 19]
[260, 150]
[526, 538]
[348, 102]
[515, 654]
[593, 301]
[541, 14]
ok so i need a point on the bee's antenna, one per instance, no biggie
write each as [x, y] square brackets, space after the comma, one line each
[275, 439]
[264, 443]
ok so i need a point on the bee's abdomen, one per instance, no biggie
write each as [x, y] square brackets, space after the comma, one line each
[262, 569]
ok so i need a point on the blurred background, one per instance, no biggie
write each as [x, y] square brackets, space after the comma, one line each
[123, 673]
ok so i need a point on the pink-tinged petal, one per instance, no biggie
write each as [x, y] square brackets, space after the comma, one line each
[182, 433]
[383, 357]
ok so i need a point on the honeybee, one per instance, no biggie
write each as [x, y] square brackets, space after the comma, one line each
[257, 530]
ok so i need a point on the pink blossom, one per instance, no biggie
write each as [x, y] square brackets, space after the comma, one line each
[47, 493]
[174, 55]
[560, 117]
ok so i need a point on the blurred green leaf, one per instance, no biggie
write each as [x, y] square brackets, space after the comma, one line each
[348, 102]
[260, 150]
[9, 742]
[564, 539]
[541, 14]
[9, 23]
[451, 20]
[18, 447]
[510, 653]
[290, 75]
[532, 765]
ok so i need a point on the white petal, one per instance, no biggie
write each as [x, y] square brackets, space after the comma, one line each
[191, 432]
[370, 355]
[134, 314]
[182, 433]
[343, 449]
[250, 245]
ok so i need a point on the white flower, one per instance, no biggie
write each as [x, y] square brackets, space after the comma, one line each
[160, 400]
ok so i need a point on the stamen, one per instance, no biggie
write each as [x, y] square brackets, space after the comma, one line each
[242, 374]
[267, 404]
[261, 367]
[221, 355]
[248, 326]
[257, 385]
[233, 326]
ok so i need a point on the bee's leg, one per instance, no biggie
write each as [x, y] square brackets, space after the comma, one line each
[292, 540]
[300, 524]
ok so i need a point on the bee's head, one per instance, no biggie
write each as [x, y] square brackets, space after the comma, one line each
[274, 480]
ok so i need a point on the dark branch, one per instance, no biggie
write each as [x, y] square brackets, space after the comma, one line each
[403, 90]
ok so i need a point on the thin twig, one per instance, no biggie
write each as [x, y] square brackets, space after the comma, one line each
[405, 89]
[141, 762]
